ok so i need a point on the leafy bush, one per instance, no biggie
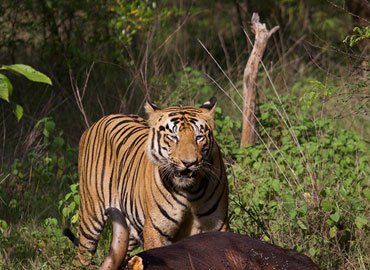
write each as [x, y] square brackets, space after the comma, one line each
[6, 88]
[33, 183]
[306, 187]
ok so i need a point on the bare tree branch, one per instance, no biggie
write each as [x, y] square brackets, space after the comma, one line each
[78, 95]
[250, 76]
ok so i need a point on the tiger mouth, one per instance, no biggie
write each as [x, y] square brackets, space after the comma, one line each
[185, 174]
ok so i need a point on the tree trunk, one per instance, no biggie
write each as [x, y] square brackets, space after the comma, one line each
[249, 79]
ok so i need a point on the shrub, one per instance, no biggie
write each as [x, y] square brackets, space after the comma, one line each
[306, 187]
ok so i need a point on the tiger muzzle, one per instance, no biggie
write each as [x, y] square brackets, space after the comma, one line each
[185, 174]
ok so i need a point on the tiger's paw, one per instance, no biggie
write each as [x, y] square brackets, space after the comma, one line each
[84, 259]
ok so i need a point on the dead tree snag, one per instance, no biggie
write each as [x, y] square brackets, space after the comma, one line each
[249, 78]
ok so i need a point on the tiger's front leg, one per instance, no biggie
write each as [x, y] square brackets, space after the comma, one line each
[156, 235]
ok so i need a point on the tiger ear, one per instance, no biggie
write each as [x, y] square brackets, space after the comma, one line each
[150, 107]
[210, 105]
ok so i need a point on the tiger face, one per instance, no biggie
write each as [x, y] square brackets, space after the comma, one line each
[181, 141]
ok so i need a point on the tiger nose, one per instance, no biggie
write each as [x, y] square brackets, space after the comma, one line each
[189, 163]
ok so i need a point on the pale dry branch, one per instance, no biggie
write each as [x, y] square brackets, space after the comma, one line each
[250, 76]
[78, 95]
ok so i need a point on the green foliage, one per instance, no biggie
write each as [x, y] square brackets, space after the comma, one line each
[40, 177]
[130, 18]
[26, 241]
[70, 203]
[6, 88]
[29, 72]
[360, 33]
[311, 191]
[317, 89]
[29, 193]
[189, 86]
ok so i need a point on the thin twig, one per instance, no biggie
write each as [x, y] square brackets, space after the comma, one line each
[48, 259]
[77, 94]
[259, 137]
[352, 14]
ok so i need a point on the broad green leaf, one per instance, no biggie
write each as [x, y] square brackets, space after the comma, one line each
[3, 226]
[301, 224]
[360, 222]
[74, 188]
[29, 72]
[292, 214]
[58, 142]
[327, 206]
[77, 199]
[72, 206]
[49, 126]
[335, 217]
[74, 218]
[276, 185]
[6, 88]
[312, 251]
[67, 196]
[332, 231]
[65, 211]
[18, 112]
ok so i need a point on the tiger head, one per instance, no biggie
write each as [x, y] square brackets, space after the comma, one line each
[181, 141]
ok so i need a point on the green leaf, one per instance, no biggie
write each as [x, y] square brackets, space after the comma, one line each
[29, 72]
[74, 188]
[49, 126]
[65, 212]
[276, 185]
[335, 217]
[332, 231]
[312, 251]
[301, 224]
[77, 199]
[327, 206]
[292, 214]
[18, 112]
[43, 120]
[74, 219]
[67, 196]
[3, 226]
[360, 222]
[58, 142]
[6, 88]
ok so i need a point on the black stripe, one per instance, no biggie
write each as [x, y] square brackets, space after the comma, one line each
[159, 143]
[153, 137]
[204, 189]
[87, 236]
[160, 191]
[141, 223]
[213, 192]
[88, 249]
[163, 211]
[171, 193]
[159, 230]
[213, 208]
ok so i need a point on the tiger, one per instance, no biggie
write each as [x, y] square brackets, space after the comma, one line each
[159, 179]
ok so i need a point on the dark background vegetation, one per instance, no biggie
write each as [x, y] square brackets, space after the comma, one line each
[304, 185]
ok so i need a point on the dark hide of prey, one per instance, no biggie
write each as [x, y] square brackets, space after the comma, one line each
[222, 250]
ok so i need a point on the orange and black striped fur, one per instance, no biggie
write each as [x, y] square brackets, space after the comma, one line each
[160, 179]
